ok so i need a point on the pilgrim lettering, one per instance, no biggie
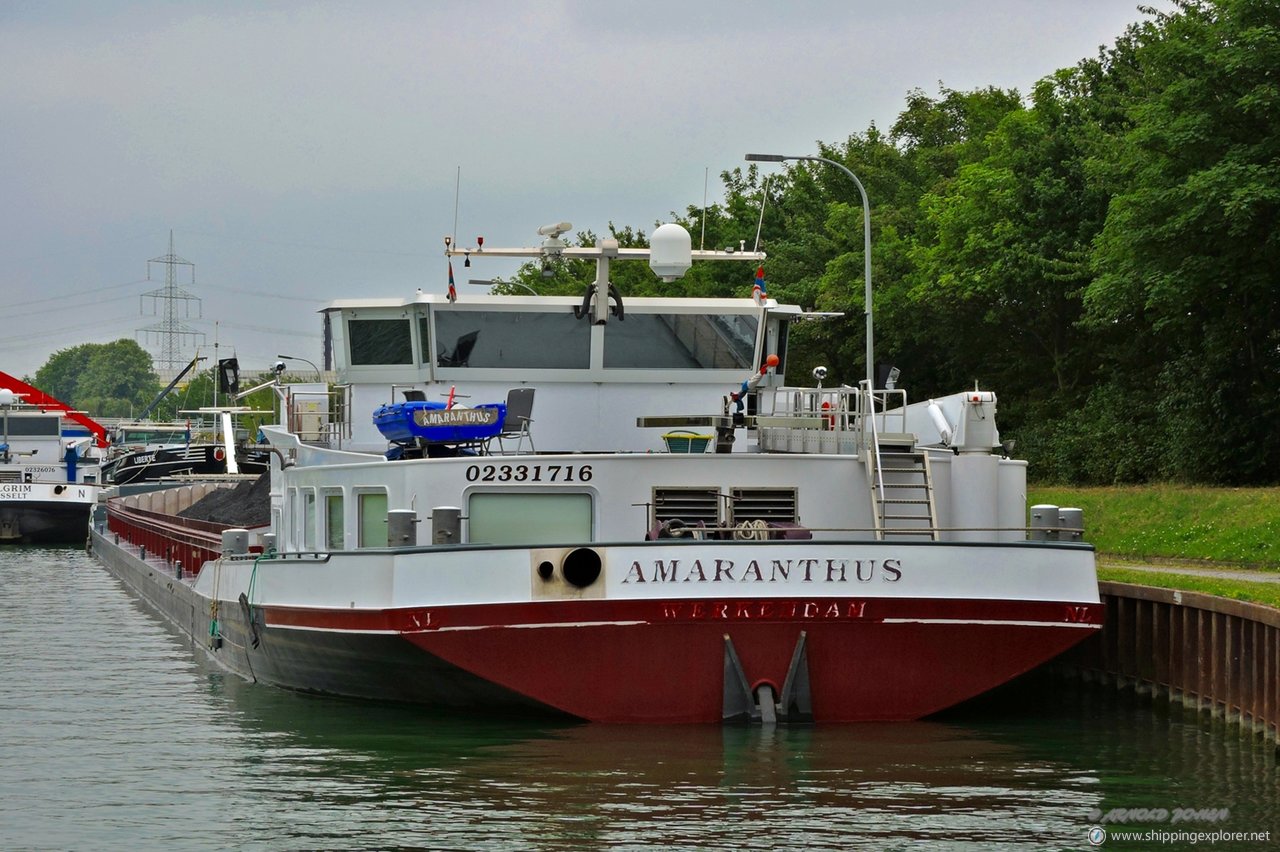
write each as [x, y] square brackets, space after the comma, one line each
[766, 571]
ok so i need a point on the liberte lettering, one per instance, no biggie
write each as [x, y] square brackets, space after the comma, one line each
[771, 571]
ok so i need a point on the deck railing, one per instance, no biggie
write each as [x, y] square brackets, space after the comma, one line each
[828, 420]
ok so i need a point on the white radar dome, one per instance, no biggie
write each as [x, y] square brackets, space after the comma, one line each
[670, 252]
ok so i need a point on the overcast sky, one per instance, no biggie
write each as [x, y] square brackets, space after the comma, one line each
[302, 152]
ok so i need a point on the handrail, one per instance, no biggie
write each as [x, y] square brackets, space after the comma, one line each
[873, 456]
[691, 532]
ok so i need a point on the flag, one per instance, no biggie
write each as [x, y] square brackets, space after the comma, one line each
[453, 294]
[757, 290]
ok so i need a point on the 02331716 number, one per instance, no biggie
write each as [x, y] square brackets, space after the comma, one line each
[529, 473]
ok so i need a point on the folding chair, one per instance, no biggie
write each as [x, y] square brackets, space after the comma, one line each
[519, 415]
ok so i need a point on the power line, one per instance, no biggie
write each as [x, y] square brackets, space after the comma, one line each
[270, 330]
[10, 341]
[341, 249]
[260, 295]
[62, 298]
[62, 308]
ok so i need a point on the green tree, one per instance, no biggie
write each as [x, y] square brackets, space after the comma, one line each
[60, 375]
[1189, 259]
[117, 380]
[1003, 254]
[104, 379]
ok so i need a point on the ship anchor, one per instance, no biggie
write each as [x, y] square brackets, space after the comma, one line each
[792, 705]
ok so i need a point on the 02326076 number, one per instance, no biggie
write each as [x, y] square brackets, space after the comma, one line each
[529, 473]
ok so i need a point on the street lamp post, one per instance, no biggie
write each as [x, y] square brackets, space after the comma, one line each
[7, 399]
[319, 375]
[485, 282]
[866, 236]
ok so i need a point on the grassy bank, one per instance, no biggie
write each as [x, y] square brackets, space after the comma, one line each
[1210, 527]
[1237, 526]
[1241, 590]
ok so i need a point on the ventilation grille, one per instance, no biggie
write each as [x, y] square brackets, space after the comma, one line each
[777, 505]
[688, 504]
[10, 475]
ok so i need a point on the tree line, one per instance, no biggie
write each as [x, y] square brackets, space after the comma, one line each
[1104, 253]
[117, 380]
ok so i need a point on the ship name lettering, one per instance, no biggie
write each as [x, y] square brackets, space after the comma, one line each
[780, 570]
[660, 571]
[12, 489]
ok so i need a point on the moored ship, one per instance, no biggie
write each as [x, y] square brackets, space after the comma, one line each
[146, 451]
[49, 467]
[673, 535]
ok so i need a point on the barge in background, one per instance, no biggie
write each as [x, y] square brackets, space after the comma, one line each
[50, 459]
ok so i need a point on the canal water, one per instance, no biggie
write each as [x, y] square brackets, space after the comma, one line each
[115, 735]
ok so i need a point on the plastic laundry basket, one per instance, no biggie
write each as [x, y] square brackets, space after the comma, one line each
[682, 441]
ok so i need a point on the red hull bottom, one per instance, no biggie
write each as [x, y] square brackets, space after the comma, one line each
[871, 660]
[669, 675]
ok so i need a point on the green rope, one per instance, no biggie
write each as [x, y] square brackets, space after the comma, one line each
[269, 553]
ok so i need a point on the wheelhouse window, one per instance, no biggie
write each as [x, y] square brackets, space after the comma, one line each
[530, 340]
[144, 435]
[335, 534]
[424, 335]
[681, 341]
[373, 519]
[33, 426]
[380, 341]
[309, 519]
[525, 519]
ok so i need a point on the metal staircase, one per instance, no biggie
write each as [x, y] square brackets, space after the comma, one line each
[901, 489]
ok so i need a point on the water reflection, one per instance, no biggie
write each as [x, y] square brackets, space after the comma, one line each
[683, 787]
[1019, 770]
[115, 735]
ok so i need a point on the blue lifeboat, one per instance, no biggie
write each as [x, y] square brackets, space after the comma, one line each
[433, 423]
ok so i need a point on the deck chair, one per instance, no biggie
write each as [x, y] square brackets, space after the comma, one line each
[519, 415]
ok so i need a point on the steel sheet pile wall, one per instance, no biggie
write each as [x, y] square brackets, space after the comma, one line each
[1207, 652]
